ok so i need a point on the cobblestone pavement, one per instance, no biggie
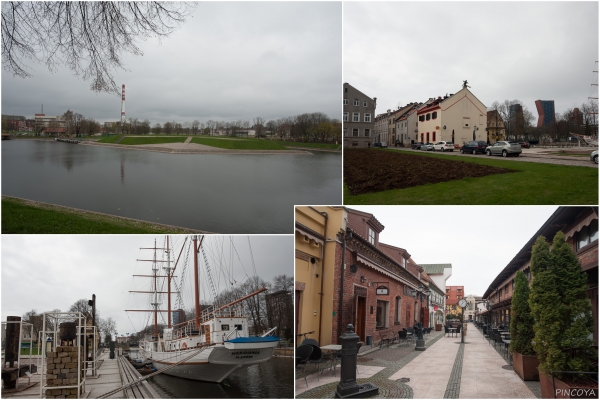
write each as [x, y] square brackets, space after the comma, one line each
[536, 155]
[447, 369]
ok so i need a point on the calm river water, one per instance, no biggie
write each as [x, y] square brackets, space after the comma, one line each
[214, 192]
[273, 379]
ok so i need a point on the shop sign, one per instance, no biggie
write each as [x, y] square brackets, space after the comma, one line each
[382, 290]
[435, 308]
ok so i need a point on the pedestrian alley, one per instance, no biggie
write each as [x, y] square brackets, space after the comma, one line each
[447, 369]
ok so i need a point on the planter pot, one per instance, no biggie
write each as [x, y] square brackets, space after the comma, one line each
[565, 390]
[526, 366]
[438, 327]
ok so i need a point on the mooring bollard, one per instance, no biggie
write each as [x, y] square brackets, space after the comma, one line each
[348, 386]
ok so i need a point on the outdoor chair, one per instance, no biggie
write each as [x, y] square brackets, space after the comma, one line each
[311, 342]
[458, 330]
[302, 358]
[316, 357]
[446, 331]
[403, 336]
[497, 339]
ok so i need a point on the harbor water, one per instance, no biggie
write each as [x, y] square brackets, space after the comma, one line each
[223, 193]
[269, 380]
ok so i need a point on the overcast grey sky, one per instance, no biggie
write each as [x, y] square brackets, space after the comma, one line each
[479, 241]
[36, 268]
[402, 52]
[229, 61]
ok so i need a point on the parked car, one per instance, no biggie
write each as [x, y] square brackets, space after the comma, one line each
[474, 147]
[594, 156]
[427, 146]
[504, 149]
[524, 145]
[417, 145]
[383, 144]
[376, 144]
[443, 146]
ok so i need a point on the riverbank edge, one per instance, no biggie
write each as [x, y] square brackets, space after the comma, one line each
[192, 151]
[102, 217]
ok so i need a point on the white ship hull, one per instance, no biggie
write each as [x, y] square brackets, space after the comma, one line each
[212, 364]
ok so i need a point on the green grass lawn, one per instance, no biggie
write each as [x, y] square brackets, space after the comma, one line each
[153, 140]
[247, 144]
[534, 183]
[34, 352]
[109, 139]
[18, 217]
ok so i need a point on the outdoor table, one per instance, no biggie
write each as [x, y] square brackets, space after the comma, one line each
[452, 331]
[332, 348]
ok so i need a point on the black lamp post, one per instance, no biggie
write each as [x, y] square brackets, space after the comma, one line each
[420, 343]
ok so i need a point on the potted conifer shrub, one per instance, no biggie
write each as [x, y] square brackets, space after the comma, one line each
[525, 361]
[563, 320]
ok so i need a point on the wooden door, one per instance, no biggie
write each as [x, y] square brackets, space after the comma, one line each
[361, 315]
[425, 316]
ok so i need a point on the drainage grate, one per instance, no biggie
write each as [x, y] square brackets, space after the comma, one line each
[403, 380]
[508, 367]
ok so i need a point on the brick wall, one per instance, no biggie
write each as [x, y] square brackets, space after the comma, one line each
[61, 370]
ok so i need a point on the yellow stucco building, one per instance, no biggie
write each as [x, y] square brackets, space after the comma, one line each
[316, 230]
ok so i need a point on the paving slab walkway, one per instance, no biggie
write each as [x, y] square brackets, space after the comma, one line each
[446, 369]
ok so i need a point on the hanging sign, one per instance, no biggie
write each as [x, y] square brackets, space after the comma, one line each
[382, 290]
[435, 308]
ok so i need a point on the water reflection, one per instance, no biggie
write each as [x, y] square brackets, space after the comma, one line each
[213, 192]
[273, 379]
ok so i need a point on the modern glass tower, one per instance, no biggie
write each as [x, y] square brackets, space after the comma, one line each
[545, 109]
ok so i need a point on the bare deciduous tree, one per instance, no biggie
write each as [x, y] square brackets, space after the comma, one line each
[87, 37]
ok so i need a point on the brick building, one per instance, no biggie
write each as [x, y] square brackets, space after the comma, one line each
[453, 295]
[580, 226]
[344, 275]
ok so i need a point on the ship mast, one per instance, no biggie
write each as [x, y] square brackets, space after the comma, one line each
[155, 304]
[196, 285]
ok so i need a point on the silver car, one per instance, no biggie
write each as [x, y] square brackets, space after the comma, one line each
[504, 149]
[594, 156]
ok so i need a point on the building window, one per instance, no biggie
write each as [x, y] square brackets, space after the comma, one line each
[367, 132]
[421, 118]
[398, 309]
[356, 102]
[434, 115]
[354, 131]
[367, 117]
[466, 122]
[345, 90]
[381, 320]
[372, 236]
[345, 132]
[364, 103]
[355, 117]
[345, 102]
[587, 235]
[433, 139]
[345, 117]
[428, 117]
[506, 289]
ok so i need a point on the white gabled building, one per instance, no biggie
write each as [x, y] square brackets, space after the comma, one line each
[456, 118]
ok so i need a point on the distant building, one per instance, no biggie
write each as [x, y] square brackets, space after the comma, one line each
[455, 118]
[358, 117]
[495, 126]
[244, 133]
[453, 295]
[49, 126]
[474, 306]
[545, 109]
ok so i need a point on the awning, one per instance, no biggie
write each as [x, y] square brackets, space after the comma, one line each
[309, 234]
[384, 271]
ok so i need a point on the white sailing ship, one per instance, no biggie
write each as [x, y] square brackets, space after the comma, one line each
[216, 341]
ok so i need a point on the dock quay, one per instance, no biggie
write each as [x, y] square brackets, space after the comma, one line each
[66, 140]
[112, 374]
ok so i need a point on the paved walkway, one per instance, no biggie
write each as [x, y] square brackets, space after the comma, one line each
[447, 369]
